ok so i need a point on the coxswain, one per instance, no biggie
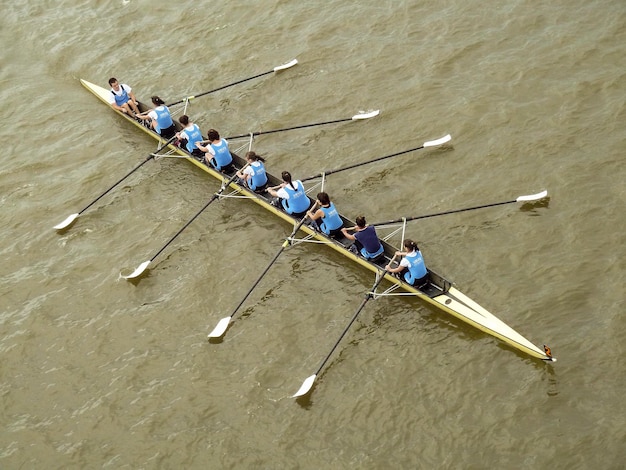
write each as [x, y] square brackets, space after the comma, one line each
[122, 98]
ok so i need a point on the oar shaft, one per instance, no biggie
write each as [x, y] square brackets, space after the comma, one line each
[256, 283]
[271, 263]
[215, 196]
[368, 296]
[127, 175]
[184, 227]
[275, 69]
[287, 128]
[115, 184]
[222, 87]
[350, 167]
[443, 213]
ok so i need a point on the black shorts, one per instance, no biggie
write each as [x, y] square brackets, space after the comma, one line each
[169, 132]
[421, 281]
[336, 233]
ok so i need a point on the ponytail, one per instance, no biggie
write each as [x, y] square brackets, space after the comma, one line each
[287, 179]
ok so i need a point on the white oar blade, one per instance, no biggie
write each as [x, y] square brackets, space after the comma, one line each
[286, 66]
[434, 143]
[533, 197]
[220, 328]
[66, 223]
[139, 271]
[356, 117]
[305, 387]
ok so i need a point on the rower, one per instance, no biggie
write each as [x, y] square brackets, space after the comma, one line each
[159, 118]
[326, 217]
[253, 175]
[365, 239]
[189, 136]
[413, 262]
[216, 153]
[291, 196]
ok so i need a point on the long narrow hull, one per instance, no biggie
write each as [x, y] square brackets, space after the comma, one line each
[438, 292]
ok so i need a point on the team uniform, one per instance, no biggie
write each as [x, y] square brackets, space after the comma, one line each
[370, 246]
[120, 97]
[294, 201]
[220, 155]
[190, 135]
[258, 177]
[331, 223]
[416, 273]
[164, 124]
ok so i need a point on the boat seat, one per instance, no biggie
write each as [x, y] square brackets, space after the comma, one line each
[377, 259]
[430, 289]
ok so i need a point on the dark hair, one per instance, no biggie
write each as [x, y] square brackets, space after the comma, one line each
[411, 245]
[158, 101]
[184, 119]
[287, 178]
[254, 157]
[213, 135]
[360, 221]
[323, 198]
[112, 80]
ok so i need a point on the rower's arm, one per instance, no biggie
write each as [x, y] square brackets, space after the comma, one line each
[349, 236]
[318, 214]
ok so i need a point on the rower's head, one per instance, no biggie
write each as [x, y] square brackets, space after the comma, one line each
[251, 156]
[410, 245]
[286, 176]
[184, 119]
[114, 83]
[323, 198]
[212, 135]
[157, 101]
[360, 221]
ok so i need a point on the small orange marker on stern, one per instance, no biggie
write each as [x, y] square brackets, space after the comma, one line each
[548, 351]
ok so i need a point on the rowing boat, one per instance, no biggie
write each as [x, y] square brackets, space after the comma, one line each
[438, 291]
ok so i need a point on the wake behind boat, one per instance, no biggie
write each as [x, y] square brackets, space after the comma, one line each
[438, 291]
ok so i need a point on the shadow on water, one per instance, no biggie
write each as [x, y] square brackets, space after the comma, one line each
[305, 402]
[550, 376]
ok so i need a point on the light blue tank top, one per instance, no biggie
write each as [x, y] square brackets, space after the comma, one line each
[259, 177]
[331, 220]
[222, 155]
[298, 200]
[163, 120]
[121, 99]
[417, 268]
[194, 135]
